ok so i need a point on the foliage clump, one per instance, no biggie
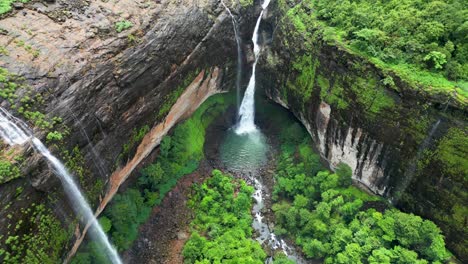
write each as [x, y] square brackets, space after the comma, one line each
[180, 154]
[44, 242]
[222, 228]
[8, 171]
[5, 5]
[123, 25]
[432, 34]
[423, 42]
[332, 220]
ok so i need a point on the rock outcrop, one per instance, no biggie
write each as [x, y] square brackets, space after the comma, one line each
[107, 68]
[396, 137]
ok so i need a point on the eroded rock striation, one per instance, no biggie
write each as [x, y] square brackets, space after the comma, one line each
[107, 69]
[392, 133]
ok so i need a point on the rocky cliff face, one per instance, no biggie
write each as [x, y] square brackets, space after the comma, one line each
[106, 69]
[398, 139]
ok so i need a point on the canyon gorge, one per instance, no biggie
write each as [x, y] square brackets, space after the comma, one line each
[148, 108]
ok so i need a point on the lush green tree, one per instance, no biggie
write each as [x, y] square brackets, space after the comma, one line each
[381, 256]
[225, 221]
[345, 174]
[436, 59]
[324, 214]
[315, 249]
[151, 176]
[105, 223]
[428, 35]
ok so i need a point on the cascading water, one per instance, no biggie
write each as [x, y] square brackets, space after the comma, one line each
[247, 109]
[15, 132]
[239, 53]
[412, 167]
[245, 152]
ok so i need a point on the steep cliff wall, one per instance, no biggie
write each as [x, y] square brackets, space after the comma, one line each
[93, 77]
[398, 138]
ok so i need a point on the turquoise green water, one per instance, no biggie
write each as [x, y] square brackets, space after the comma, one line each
[245, 152]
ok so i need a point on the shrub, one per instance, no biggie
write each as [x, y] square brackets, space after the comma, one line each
[8, 171]
[123, 25]
[54, 136]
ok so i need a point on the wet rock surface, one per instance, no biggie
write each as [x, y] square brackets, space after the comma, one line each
[385, 150]
[104, 83]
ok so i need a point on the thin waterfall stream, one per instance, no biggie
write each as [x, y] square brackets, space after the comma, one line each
[15, 132]
[239, 53]
[412, 167]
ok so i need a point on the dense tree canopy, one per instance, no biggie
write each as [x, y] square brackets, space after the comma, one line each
[431, 33]
[222, 206]
[334, 221]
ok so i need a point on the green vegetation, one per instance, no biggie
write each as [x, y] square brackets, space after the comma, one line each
[333, 95]
[8, 171]
[44, 241]
[371, 96]
[222, 228]
[332, 220]
[29, 103]
[3, 51]
[28, 48]
[180, 154]
[130, 147]
[171, 98]
[424, 42]
[5, 5]
[54, 136]
[76, 163]
[91, 252]
[304, 83]
[444, 170]
[123, 25]
[246, 3]
[452, 153]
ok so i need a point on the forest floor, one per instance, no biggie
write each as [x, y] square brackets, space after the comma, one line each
[162, 238]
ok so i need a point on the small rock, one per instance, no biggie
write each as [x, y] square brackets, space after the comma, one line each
[18, 5]
[182, 235]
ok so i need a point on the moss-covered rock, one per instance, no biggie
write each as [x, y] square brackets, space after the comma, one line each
[399, 135]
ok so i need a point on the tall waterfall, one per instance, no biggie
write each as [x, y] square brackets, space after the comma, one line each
[247, 108]
[412, 167]
[239, 53]
[15, 132]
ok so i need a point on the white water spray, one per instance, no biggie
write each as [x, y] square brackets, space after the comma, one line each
[247, 109]
[15, 132]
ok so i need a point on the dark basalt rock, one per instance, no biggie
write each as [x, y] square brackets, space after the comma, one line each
[387, 151]
[104, 85]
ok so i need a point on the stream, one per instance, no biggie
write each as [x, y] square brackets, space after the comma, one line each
[247, 156]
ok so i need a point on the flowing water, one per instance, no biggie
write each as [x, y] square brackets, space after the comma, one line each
[15, 132]
[239, 53]
[247, 155]
[245, 151]
[247, 108]
[412, 167]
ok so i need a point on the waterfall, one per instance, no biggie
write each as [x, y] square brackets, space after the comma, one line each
[239, 54]
[247, 108]
[15, 132]
[412, 167]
